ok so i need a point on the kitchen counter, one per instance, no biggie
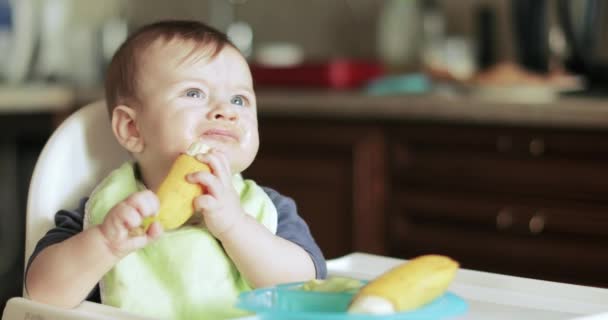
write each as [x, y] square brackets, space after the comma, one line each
[34, 98]
[43, 98]
[568, 112]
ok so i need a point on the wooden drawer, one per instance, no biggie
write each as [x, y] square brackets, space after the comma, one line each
[512, 142]
[551, 240]
[472, 159]
[540, 218]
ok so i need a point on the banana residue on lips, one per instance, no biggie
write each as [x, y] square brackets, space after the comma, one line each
[222, 133]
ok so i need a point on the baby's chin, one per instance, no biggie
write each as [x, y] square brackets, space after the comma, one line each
[237, 168]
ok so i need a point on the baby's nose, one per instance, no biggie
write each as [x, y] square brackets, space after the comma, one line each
[223, 113]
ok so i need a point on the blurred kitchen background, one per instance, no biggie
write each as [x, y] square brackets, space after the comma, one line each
[477, 129]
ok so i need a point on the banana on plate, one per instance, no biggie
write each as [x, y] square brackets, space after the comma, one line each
[406, 287]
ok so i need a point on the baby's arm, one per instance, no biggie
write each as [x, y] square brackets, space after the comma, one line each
[264, 258]
[63, 274]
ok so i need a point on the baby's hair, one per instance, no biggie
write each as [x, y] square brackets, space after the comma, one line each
[121, 77]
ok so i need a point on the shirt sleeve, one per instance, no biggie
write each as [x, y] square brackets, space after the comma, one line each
[67, 224]
[293, 228]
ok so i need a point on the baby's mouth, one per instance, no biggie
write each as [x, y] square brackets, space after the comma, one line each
[221, 134]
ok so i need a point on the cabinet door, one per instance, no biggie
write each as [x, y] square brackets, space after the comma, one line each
[335, 173]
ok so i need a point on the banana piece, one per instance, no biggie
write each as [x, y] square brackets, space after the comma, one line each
[333, 284]
[175, 193]
[406, 287]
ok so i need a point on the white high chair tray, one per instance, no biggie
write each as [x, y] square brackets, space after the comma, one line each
[495, 296]
[489, 296]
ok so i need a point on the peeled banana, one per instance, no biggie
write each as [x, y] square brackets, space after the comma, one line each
[407, 286]
[175, 194]
[333, 284]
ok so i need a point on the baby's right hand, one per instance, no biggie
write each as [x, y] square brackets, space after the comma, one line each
[121, 223]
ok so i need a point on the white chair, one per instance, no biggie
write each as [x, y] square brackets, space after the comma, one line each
[77, 155]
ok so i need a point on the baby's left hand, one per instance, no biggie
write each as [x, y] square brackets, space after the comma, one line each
[220, 204]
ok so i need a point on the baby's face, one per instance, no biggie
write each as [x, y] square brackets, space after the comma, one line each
[188, 98]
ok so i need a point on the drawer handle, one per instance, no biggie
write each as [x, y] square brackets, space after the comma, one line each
[537, 147]
[504, 144]
[504, 219]
[537, 223]
[402, 156]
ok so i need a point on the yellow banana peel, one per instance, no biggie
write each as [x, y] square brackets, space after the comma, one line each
[406, 287]
[175, 194]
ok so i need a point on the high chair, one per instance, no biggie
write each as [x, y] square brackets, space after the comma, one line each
[80, 152]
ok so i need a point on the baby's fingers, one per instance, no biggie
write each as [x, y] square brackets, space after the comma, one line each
[211, 183]
[130, 218]
[155, 230]
[145, 203]
[218, 162]
[136, 242]
[135, 208]
[126, 217]
[140, 239]
[205, 203]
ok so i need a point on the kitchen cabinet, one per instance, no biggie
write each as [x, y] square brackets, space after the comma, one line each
[522, 201]
[336, 174]
[525, 200]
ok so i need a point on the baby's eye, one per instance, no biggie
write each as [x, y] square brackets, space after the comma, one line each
[195, 93]
[238, 100]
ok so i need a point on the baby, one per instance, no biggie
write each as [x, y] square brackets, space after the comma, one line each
[170, 84]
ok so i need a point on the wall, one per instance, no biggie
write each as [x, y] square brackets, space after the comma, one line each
[322, 28]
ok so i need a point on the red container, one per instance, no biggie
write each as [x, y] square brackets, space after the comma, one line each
[336, 74]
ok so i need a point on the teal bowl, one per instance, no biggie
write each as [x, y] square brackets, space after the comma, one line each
[288, 301]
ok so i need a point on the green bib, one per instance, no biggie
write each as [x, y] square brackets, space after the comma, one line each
[185, 274]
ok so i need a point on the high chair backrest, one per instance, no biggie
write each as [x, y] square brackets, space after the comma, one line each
[77, 155]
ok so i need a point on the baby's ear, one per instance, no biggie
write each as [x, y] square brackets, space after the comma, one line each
[125, 128]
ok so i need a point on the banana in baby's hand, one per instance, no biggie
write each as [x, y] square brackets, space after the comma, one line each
[175, 194]
[407, 286]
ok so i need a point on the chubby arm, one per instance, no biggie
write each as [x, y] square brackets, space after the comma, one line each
[264, 258]
[63, 274]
